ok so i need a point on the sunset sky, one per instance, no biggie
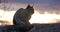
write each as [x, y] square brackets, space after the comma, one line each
[42, 5]
[45, 6]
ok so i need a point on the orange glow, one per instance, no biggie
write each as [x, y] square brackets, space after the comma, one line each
[7, 15]
[46, 12]
[1, 12]
[36, 17]
[44, 18]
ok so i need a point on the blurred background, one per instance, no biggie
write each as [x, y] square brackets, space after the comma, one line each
[45, 11]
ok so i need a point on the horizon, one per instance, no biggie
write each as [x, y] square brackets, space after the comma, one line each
[41, 8]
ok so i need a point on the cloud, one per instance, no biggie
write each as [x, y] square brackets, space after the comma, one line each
[34, 1]
[39, 6]
[48, 7]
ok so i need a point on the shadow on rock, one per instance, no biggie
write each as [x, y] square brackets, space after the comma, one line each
[46, 28]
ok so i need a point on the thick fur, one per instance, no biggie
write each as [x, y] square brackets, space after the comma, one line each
[22, 17]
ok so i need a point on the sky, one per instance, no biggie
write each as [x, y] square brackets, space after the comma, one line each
[51, 2]
[38, 4]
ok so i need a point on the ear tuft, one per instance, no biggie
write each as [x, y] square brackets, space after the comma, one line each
[28, 6]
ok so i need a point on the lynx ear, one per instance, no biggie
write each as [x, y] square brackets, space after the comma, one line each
[28, 6]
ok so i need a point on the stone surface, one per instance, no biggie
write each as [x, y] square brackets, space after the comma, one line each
[36, 28]
[46, 28]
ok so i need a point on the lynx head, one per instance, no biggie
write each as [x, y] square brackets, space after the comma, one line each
[30, 9]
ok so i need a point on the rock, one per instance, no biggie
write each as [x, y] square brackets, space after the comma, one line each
[9, 28]
[46, 28]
